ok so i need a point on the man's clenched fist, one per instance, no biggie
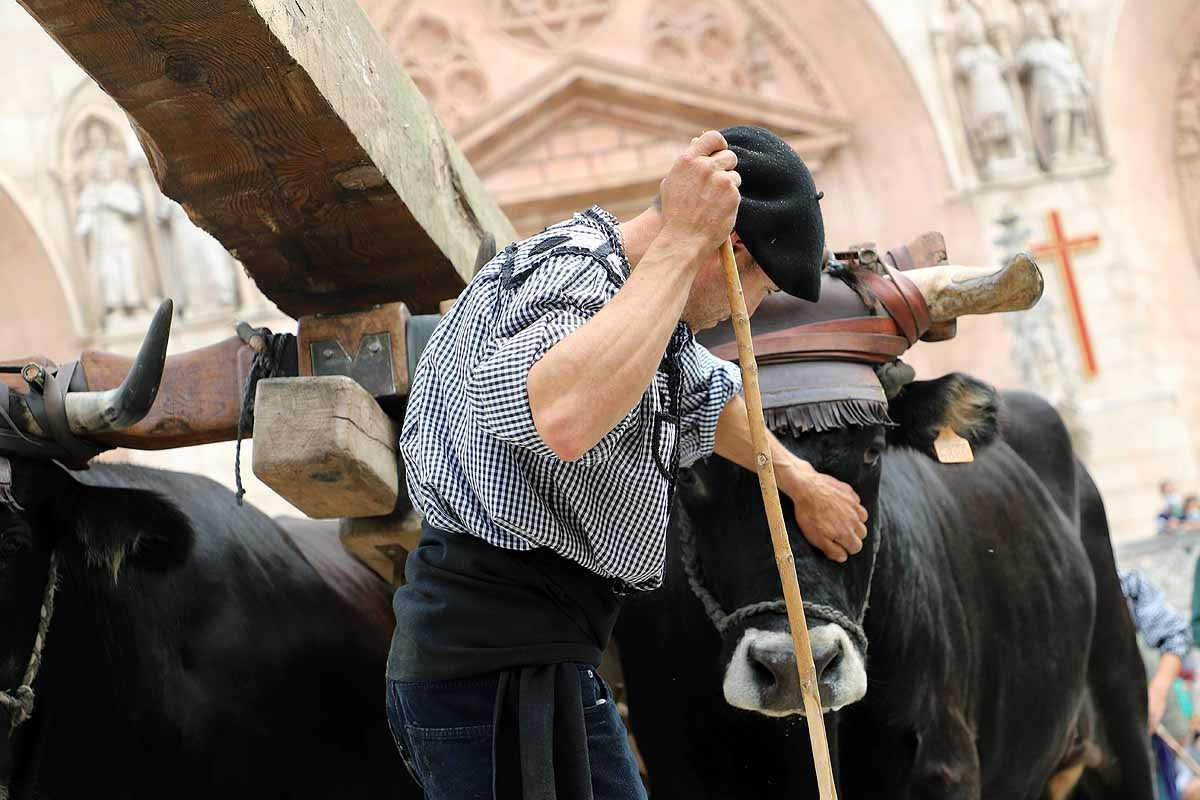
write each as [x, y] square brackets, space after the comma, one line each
[700, 194]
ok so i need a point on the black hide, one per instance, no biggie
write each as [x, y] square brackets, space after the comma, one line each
[985, 677]
[194, 652]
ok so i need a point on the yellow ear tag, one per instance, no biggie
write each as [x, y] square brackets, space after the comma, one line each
[952, 448]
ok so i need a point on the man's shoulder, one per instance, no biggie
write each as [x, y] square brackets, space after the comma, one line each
[591, 230]
[588, 242]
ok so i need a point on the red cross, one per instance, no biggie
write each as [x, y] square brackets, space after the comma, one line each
[1061, 248]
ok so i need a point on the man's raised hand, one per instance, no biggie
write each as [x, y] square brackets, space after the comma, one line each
[700, 194]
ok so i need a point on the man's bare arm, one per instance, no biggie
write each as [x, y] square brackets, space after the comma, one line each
[585, 384]
[828, 511]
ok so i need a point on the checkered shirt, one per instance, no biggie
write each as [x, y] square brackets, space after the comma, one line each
[474, 460]
[1161, 626]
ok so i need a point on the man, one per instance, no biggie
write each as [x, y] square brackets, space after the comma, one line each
[548, 416]
[1172, 513]
[1167, 643]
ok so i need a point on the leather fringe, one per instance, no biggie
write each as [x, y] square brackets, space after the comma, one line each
[827, 416]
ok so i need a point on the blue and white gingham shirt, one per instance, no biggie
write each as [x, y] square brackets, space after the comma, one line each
[1161, 626]
[475, 462]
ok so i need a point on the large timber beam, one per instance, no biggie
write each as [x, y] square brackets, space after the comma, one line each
[288, 131]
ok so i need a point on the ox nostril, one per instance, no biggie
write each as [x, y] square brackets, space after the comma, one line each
[826, 657]
[764, 676]
[769, 662]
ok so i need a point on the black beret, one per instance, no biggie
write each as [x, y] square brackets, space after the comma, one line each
[779, 219]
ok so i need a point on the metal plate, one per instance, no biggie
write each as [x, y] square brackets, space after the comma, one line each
[371, 366]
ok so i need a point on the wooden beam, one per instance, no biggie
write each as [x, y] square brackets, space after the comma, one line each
[383, 543]
[288, 132]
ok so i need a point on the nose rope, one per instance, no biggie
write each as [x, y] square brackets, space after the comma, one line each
[20, 701]
[725, 622]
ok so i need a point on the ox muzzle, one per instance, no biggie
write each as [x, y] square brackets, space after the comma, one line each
[761, 675]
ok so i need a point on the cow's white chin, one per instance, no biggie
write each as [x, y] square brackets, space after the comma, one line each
[762, 677]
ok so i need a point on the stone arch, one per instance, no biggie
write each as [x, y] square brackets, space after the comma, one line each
[889, 187]
[42, 314]
[1147, 87]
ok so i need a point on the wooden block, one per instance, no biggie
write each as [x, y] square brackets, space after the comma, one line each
[368, 346]
[325, 446]
[383, 543]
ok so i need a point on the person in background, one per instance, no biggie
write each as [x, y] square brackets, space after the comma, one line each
[1190, 514]
[1164, 629]
[1171, 515]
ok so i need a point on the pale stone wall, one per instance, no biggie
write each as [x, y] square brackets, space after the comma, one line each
[48, 309]
[558, 110]
[1137, 420]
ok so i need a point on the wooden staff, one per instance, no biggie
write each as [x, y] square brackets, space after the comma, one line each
[1179, 750]
[783, 548]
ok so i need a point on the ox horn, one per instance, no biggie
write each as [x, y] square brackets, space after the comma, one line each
[953, 291]
[124, 406]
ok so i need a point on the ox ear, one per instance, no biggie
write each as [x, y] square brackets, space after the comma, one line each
[923, 408]
[120, 527]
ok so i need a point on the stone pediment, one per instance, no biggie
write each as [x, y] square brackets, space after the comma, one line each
[588, 130]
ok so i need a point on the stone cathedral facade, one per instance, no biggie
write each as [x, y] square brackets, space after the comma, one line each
[1070, 128]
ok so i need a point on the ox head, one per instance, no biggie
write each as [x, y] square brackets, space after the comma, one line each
[52, 522]
[842, 417]
[93, 536]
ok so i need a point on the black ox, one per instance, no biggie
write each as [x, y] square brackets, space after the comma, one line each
[195, 651]
[978, 646]
[159, 641]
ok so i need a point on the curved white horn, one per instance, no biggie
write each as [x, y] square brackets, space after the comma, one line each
[119, 408]
[953, 291]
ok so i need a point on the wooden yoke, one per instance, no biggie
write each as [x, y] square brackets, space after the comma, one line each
[198, 401]
[199, 398]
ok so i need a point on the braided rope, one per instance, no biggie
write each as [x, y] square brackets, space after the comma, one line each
[724, 622]
[267, 363]
[20, 701]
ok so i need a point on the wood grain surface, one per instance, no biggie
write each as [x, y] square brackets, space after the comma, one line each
[287, 130]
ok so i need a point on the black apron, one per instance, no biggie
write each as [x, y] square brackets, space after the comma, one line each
[470, 608]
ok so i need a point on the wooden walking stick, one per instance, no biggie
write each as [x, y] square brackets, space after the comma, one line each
[783, 549]
[1179, 750]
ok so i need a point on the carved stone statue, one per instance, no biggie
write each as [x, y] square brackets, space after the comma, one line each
[109, 208]
[202, 268]
[993, 128]
[1057, 90]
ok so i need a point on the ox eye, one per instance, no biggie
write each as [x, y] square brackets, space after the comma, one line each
[10, 546]
[871, 456]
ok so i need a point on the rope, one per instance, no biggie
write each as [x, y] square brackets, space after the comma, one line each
[725, 622]
[268, 363]
[20, 701]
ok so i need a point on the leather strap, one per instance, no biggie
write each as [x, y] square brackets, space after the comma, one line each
[901, 300]
[870, 340]
[866, 340]
[55, 394]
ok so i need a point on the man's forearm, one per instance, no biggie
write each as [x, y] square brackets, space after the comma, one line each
[828, 511]
[585, 384]
[1169, 667]
[735, 443]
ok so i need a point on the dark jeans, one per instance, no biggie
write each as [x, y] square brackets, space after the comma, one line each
[444, 734]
